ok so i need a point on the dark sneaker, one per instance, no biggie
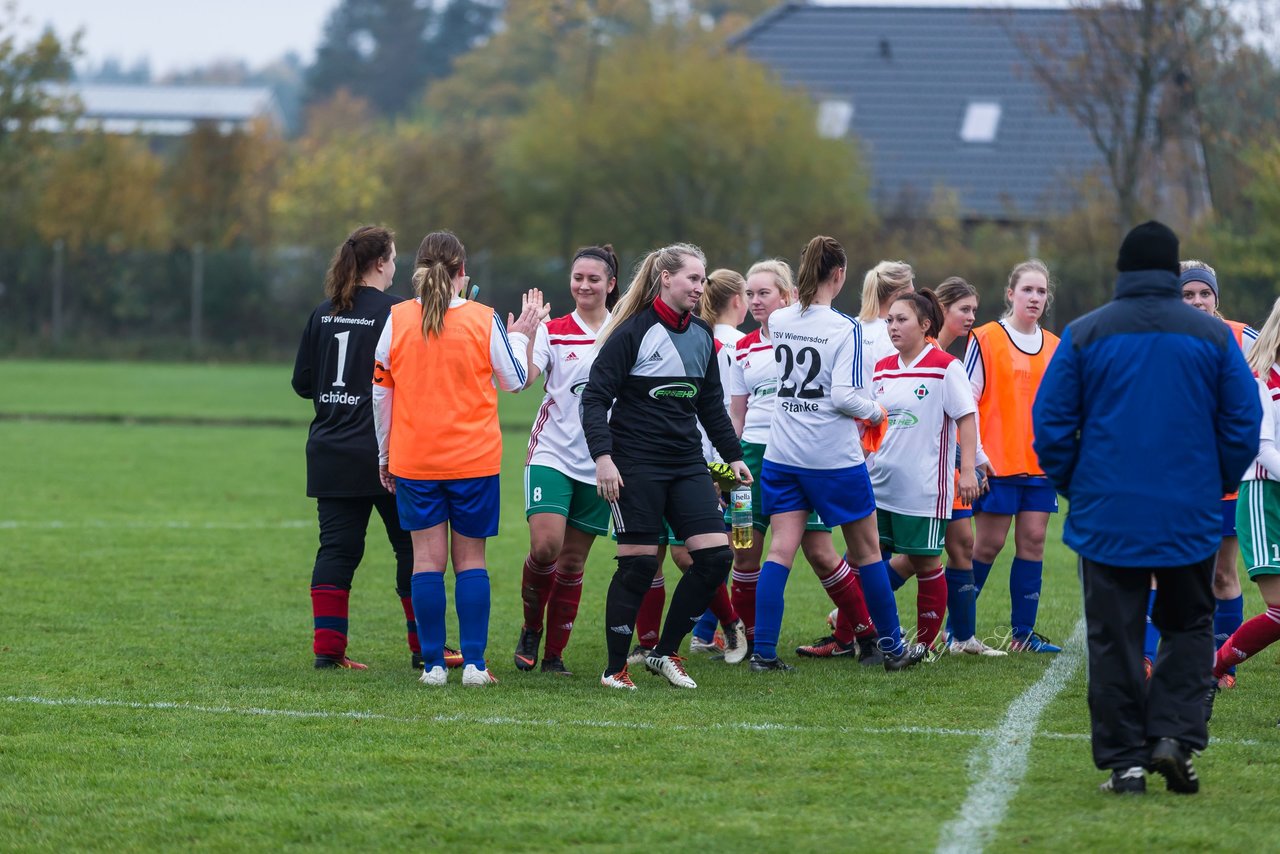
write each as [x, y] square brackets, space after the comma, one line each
[1171, 760]
[452, 659]
[638, 655]
[1034, 642]
[911, 655]
[555, 665]
[827, 647]
[869, 654]
[527, 648]
[1130, 781]
[765, 665]
[328, 662]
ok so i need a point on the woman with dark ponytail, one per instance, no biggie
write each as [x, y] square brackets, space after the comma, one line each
[814, 459]
[931, 414]
[333, 370]
[565, 512]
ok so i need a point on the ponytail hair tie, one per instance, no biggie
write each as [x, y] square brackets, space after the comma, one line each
[351, 243]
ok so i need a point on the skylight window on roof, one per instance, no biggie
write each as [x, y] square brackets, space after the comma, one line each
[833, 118]
[981, 122]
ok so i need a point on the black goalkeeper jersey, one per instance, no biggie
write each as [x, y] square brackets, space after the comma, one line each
[660, 377]
[334, 369]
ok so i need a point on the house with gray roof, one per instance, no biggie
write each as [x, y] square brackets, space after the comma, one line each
[155, 110]
[937, 97]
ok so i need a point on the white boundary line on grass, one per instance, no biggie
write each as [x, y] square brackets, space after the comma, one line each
[147, 524]
[999, 764]
[501, 720]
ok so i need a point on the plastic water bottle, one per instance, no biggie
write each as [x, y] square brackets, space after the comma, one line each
[740, 516]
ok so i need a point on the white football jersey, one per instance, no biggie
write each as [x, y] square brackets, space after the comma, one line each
[875, 346]
[724, 360]
[755, 376]
[811, 348]
[915, 466]
[1267, 464]
[563, 350]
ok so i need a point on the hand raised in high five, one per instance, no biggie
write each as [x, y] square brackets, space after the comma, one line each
[532, 312]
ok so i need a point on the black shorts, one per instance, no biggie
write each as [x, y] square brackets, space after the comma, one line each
[685, 496]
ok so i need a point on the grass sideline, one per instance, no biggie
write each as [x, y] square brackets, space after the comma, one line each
[156, 593]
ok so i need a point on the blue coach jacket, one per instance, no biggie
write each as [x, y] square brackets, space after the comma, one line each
[1146, 417]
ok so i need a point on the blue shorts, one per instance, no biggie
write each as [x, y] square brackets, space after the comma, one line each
[1010, 496]
[1228, 517]
[961, 513]
[469, 505]
[839, 496]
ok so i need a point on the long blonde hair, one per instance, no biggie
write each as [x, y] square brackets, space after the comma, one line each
[821, 257]
[722, 286]
[440, 258]
[646, 283]
[1266, 350]
[881, 282]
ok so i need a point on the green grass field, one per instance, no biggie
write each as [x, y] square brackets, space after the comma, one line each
[156, 688]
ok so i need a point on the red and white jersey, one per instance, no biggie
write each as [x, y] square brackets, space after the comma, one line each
[1267, 465]
[755, 376]
[563, 350]
[915, 466]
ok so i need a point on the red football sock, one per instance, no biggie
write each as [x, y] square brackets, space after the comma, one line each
[649, 620]
[411, 623]
[535, 589]
[744, 598]
[1250, 639]
[722, 606]
[329, 614]
[562, 610]
[843, 587]
[931, 605]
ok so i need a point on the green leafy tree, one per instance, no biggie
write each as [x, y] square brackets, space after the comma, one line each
[386, 51]
[29, 104]
[334, 178]
[679, 141]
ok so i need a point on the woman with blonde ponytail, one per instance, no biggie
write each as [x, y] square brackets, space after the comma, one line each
[439, 444]
[814, 459]
[654, 380]
[881, 285]
[333, 370]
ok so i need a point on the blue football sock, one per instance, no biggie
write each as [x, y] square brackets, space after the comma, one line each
[1228, 615]
[981, 570]
[895, 581]
[769, 605]
[1024, 594]
[471, 600]
[427, 591]
[1152, 642]
[880, 604]
[705, 628]
[961, 604]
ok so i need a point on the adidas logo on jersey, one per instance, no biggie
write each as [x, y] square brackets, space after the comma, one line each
[656, 357]
[572, 357]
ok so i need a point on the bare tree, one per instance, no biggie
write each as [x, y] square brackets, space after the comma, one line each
[1126, 71]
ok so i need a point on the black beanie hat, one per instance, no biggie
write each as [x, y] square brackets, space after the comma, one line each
[1150, 246]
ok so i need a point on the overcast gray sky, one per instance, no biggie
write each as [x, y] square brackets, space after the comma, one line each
[179, 34]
